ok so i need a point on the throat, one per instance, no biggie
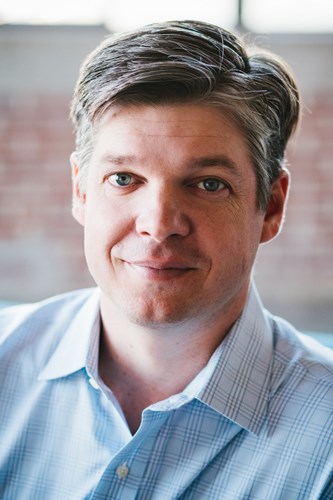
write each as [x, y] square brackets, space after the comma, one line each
[136, 386]
[134, 394]
[142, 368]
[133, 405]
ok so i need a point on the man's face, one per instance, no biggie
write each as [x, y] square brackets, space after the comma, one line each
[170, 215]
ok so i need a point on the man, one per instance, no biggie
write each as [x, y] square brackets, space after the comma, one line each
[170, 380]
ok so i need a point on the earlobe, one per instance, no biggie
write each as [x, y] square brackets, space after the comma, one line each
[78, 198]
[274, 215]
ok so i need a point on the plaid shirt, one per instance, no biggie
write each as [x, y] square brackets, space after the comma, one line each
[256, 422]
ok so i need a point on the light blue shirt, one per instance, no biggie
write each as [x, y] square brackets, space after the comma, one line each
[256, 423]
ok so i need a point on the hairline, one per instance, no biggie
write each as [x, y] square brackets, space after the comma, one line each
[141, 101]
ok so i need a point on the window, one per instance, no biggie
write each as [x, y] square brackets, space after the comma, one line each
[257, 15]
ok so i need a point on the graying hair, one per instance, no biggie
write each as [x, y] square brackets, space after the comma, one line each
[192, 62]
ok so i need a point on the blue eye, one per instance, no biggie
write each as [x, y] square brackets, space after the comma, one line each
[212, 185]
[120, 179]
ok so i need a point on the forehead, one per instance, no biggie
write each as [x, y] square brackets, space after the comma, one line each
[178, 125]
[169, 119]
[171, 142]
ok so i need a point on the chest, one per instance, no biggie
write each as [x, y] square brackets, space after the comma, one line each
[80, 447]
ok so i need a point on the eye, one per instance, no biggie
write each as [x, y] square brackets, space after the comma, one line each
[211, 184]
[121, 179]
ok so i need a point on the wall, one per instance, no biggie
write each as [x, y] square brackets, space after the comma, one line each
[41, 245]
[295, 272]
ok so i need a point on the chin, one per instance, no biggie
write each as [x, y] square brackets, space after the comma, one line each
[157, 315]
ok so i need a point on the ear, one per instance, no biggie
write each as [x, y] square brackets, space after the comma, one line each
[274, 215]
[79, 198]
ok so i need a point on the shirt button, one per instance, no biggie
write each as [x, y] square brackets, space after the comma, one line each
[122, 470]
[93, 383]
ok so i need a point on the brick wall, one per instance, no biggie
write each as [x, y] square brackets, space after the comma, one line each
[300, 261]
[41, 245]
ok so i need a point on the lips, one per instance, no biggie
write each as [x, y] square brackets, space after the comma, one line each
[159, 270]
[162, 265]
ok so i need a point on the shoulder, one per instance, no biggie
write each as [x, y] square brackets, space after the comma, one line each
[300, 352]
[21, 322]
[302, 370]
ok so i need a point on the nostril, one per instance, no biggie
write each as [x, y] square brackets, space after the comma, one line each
[160, 225]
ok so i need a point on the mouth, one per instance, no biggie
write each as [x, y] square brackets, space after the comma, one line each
[159, 270]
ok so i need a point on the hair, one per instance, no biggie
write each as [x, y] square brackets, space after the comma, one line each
[192, 62]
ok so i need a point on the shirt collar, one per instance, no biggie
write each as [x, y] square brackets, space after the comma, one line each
[239, 386]
[78, 347]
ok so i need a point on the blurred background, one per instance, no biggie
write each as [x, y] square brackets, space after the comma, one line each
[42, 45]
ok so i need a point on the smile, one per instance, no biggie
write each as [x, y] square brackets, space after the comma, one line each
[159, 270]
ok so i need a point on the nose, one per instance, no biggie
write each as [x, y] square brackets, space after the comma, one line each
[162, 215]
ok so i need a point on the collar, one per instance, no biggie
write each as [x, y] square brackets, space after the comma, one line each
[240, 384]
[239, 376]
[78, 347]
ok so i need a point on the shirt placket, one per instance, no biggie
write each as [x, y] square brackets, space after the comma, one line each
[122, 477]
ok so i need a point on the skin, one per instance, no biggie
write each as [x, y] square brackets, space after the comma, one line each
[172, 230]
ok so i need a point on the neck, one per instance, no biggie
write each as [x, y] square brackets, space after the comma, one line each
[145, 365]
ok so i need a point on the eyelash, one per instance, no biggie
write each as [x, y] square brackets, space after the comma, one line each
[221, 187]
[119, 174]
[221, 184]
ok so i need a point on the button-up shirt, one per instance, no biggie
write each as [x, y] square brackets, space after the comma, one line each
[255, 423]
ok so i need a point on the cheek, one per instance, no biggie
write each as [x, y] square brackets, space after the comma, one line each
[235, 238]
[98, 226]
[106, 225]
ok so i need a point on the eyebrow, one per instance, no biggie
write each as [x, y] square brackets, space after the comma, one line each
[214, 161]
[222, 161]
[119, 159]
